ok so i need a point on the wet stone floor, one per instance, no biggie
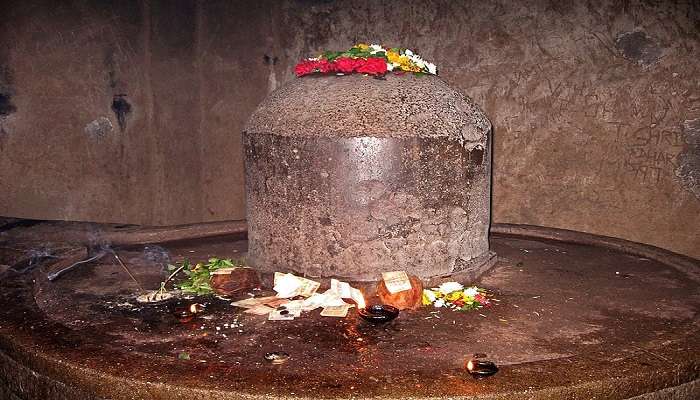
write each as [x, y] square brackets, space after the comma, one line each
[563, 315]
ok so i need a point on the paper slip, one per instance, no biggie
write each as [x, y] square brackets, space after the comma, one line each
[259, 310]
[341, 288]
[294, 307]
[276, 302]
[280, 315]
[336, 311]
[308, 287]
[396, 281]
[286, 285]
[315, 301]
[253, 301]
[357, 297]
[332, 298]
[290, 285]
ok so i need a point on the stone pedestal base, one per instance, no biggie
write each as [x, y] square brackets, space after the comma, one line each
[357, 207]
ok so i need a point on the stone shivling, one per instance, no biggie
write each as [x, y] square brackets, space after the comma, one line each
[352, 176]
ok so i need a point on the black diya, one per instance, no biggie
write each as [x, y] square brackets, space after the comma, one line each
[378, 313]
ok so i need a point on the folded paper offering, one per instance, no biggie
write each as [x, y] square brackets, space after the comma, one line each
[396, 281]
[336, 311]
[280, 315]
[341, 288]
[282, 307]
[254, 301]
[290, 285]
[315, 301]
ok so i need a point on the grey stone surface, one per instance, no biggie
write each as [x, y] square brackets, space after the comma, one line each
[352, 176]
[396, 106]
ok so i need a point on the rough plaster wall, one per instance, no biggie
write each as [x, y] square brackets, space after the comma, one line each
[593, 103]
[169, 155]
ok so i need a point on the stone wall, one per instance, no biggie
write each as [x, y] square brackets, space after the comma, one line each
[131, 111]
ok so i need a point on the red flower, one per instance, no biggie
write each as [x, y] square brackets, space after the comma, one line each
[305, 67]
[481, 299]
[310, 66]
[324, 67]
[346, 65]
[373, 66]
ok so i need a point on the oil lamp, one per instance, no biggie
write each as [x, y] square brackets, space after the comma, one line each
[378, 313]
[481, 368]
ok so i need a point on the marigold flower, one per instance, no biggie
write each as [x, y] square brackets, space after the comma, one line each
[453, 296]
[428, 297]
[362, 46]
[393, 57]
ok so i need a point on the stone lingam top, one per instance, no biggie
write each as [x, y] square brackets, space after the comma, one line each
[352, 176]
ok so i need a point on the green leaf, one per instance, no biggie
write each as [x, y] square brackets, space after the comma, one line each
[331, 55]
[199, 275]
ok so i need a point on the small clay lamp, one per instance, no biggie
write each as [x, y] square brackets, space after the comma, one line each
[378, 313]
[481, 368]
[186, 314]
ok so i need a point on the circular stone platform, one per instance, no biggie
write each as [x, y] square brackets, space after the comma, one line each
[571, 321]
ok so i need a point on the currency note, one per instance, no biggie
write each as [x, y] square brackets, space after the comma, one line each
[336, 311]
[396, 281]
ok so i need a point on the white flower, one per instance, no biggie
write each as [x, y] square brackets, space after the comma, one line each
[439, 303]
[431, 68]
[418, 61]
[408, 52]
[389, 66]
[429, 295]
[449, 287]
[471, 292]
[375, 48]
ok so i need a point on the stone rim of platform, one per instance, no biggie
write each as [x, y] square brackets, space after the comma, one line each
[51, 372]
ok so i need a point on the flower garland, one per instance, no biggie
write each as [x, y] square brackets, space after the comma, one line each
[366, 59]
[453, 295]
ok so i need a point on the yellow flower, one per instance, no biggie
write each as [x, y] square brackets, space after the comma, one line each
[410, 68]
[362, 46]
[453, 296]
[393, 57]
